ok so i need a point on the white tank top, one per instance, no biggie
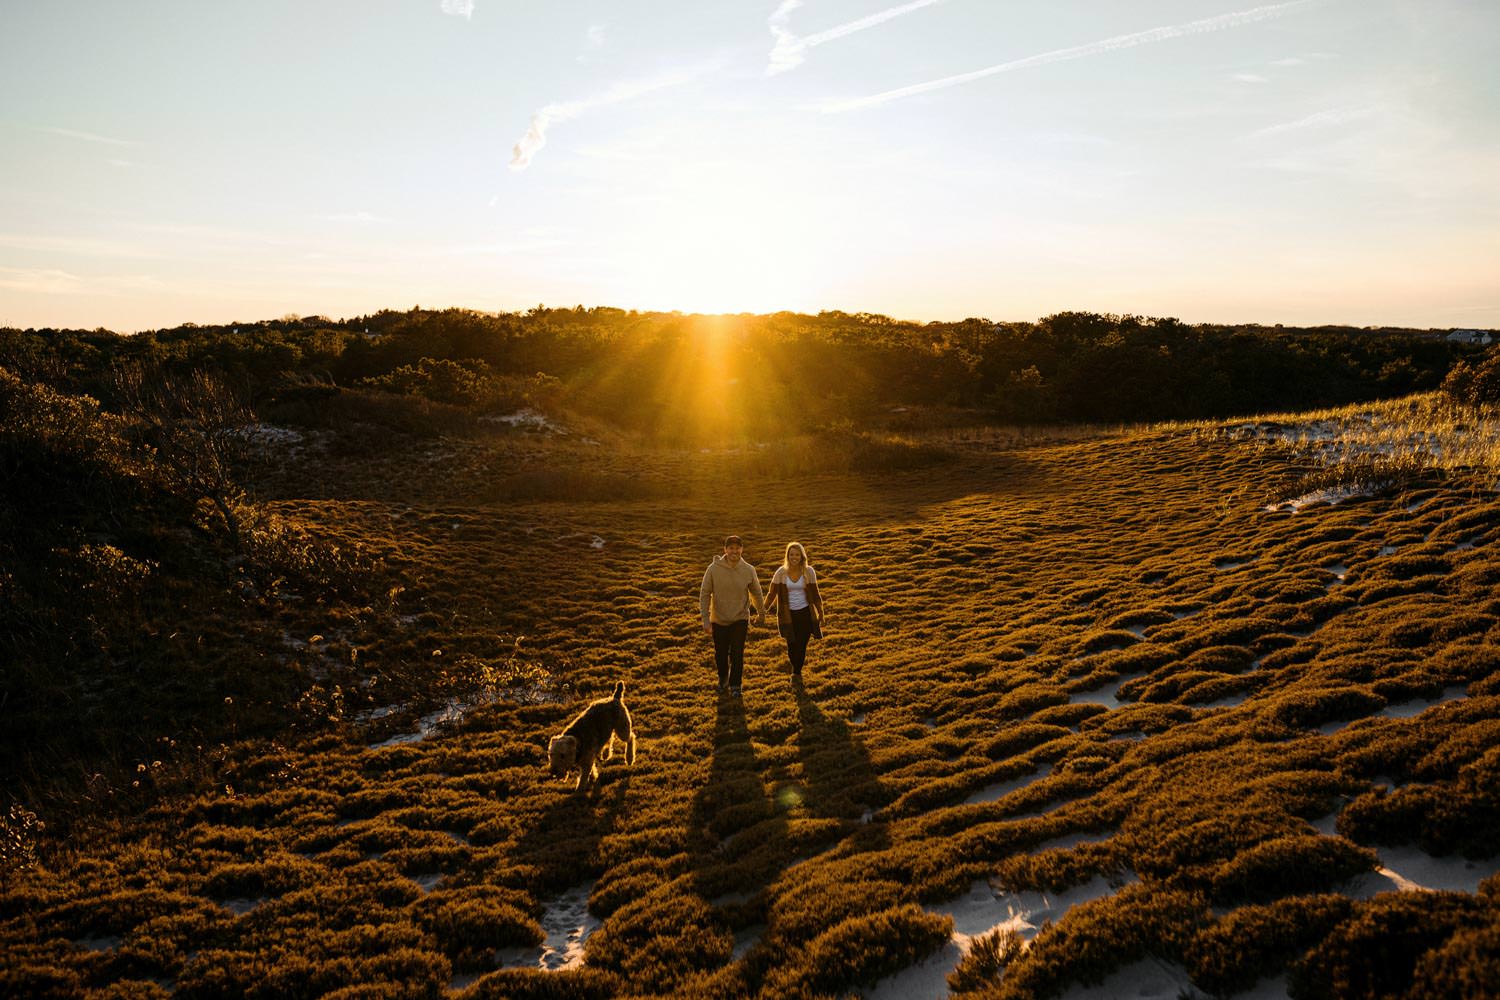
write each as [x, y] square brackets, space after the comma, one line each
[796, 592]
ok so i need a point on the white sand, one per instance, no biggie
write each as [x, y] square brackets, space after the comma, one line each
[240, 907]
[1401, 710]
[1147, 979]
[567, 923]
[527, 420]
[452, 711]
[428, 882]
[102, 942]
[978, 912]
[1100, 696]
[745, 940]
[997, 791]
[1410, 869]
[1332, 495]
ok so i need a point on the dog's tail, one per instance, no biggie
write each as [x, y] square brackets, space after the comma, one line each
[619, 690]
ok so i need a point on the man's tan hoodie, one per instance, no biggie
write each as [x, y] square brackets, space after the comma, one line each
[728, 589]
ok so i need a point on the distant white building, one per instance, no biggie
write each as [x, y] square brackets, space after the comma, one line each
[1481, 337]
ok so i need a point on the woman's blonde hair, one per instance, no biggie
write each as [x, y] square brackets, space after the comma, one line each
[785, 559]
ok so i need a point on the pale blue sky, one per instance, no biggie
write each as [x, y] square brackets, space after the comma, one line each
[1321, 161]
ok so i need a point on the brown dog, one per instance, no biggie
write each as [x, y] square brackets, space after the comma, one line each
[590, 738]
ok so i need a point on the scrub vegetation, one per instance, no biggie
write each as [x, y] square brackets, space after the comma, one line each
[278, 687]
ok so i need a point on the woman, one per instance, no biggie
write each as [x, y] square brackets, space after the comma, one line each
[799, 606]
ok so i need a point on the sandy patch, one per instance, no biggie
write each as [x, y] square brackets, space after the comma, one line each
[999, 790]
[1148, 979]
[428, 882]
[978, 912]
[745, 940]
[239, 907]
[1105, 695]
[1332, 495]
[451, 712]
[527, 420]
[567, 923]
[102, 942]
[1401, 710]
[1411, 869]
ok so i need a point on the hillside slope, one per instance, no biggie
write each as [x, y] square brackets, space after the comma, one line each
[1108, 682]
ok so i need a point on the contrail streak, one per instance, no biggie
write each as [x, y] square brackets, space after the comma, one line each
[544, 118]
[1199, 27]
[790, 49]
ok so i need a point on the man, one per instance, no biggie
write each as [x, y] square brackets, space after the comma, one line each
[725, 603]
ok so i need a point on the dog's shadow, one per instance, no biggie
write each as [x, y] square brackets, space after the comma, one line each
[560, 846]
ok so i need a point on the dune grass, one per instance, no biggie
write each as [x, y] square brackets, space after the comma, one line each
[1049, 658]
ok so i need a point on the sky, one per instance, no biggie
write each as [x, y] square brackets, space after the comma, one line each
[1302, 162]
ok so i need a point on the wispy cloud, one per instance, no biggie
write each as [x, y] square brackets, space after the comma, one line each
[82, 246]
[1115, 44]
[361, 217]
[51, 281]
[88, 136]
[459, 8]
[1330, 118]
[35, 279]
[790, 49]
[1248, 78]
[543, 119]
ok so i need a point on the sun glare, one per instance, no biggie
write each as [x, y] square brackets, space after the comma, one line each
[724, 247]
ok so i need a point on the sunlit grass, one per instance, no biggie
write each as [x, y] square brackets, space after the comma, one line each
[1054, 659]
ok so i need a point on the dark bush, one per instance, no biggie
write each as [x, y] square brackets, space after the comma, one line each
[1291, 866]
[1375, 952]
[1231, 953]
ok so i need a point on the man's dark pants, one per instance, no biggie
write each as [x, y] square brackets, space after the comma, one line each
[729, 651]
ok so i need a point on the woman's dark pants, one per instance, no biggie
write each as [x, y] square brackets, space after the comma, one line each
[796, 638]
[729, 651]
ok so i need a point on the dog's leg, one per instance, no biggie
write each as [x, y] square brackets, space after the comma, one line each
[608, 750]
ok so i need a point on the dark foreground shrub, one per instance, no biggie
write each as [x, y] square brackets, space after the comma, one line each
[985, 961]
[861, 950]
[534, 984]
[1289, 866]
[1375, 952]
[1254, 941]
[1467, 966]
[1094, 939]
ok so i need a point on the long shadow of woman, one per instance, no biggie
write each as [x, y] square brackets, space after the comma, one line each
[840, 782]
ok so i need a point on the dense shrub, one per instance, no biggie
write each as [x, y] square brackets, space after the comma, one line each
[1096, 938]
[1375, 951]
[1290, 866]
[469, 923]
[534, 984]
[860, 950]
[1230, 954]
[1476, 384]
[985, 960]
